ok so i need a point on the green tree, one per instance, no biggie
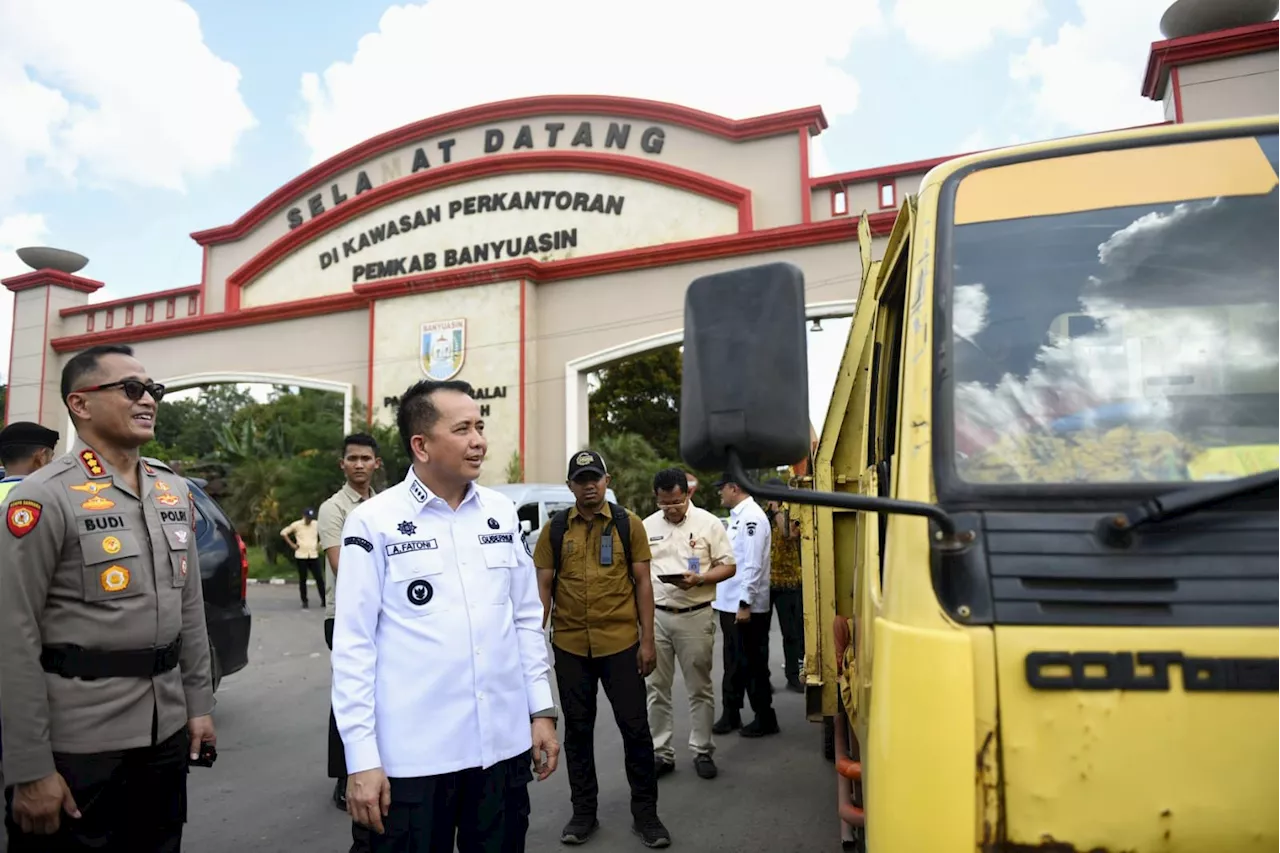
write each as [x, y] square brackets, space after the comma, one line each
[640, 396]
[4, 396]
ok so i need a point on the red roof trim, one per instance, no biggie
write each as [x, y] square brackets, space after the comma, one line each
[128, 300]
[774, 239]
[735, 130]
[37, 278]
[532, 161]
[1254, 38]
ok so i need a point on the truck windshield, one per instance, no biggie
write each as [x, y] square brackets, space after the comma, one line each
[1114, 316]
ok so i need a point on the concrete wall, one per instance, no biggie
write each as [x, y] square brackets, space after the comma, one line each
[1229, 88]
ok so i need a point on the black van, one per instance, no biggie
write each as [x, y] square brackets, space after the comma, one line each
[224, 572]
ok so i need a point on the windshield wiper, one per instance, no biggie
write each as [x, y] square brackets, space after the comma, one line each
[1116, 529]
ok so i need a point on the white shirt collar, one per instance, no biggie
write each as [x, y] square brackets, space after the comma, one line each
[422, 496]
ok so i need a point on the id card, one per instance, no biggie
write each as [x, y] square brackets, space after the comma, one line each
[695, 565]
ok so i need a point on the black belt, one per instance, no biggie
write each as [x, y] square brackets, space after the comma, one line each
[76, 662]
[683, 609]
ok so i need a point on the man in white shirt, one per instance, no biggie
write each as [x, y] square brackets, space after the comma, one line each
[691, 554]
[745, 617]
[441, 680]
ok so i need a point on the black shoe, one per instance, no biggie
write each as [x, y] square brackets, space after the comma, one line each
[340, 794]
[759, 727]
[661, 767]
[728, 721]
[651, 831]
[704, 765]
[306, 606]
[794, 685]
[578, 830]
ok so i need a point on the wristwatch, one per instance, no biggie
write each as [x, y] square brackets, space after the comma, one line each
[742, 605]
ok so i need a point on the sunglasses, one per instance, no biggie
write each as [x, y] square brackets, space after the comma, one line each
[133, 389]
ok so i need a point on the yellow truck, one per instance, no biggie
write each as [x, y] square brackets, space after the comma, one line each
[1041, 523]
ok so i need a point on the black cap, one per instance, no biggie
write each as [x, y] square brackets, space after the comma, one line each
[28, 433]
[587, 460]
[309, 513]
[722, 480]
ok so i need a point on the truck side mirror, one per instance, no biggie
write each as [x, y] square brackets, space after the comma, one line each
[745, 374]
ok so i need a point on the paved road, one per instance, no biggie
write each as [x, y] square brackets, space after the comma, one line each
[268, 792]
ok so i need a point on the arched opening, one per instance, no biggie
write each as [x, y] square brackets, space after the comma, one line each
[576, 372]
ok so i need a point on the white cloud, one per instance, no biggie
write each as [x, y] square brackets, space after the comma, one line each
[953, 29]
[1089, 77]
[16, 230]
[111, 93]
[737, 58]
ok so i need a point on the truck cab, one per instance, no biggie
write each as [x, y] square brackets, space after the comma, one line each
[1041, 528]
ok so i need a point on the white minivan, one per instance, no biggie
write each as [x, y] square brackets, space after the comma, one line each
[537, 502]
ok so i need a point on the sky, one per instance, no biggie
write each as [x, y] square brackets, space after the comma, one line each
[128, 125]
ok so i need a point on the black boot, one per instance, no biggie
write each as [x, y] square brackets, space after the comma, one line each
[763, 724]
[729, 720]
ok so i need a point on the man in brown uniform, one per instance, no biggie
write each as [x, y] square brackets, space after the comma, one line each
[601, 612]
[105, 687]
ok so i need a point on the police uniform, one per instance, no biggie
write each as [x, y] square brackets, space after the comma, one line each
[746, 644]
[439, 664]
[106, 657]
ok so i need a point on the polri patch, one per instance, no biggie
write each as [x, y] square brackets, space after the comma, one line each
[359, 543]
[114, 579]
[409, 547]
[495, 538]
[407, 528]
[22, 516]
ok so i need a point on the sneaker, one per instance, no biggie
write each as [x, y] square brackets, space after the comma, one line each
[759, 727]
[651, 831]
[663, 766]
[578, 830]
[704, 765]
[728, 721]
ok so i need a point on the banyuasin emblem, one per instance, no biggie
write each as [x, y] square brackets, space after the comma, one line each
[444, 345]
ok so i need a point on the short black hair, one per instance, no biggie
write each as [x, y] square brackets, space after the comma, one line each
[671, 478]
[360, 439]
[418, 414]
[16, 454]
[84, 363]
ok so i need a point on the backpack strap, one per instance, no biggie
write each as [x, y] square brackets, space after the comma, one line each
[559, 523]
[622, 521]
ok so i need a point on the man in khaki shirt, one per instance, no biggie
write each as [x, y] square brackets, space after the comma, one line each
[601, 613]
[358, 462]
[105, 687]
[303, 537]
[691, 554]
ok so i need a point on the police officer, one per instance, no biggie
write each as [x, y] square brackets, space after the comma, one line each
[105, 688]
[25, 448]
[745, 616]
[441, 682]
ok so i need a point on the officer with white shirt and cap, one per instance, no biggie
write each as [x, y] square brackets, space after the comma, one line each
[441, 683]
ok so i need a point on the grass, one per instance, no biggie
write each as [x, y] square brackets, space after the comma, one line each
[261, 569]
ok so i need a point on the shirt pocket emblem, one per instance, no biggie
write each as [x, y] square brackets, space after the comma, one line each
[110, 563]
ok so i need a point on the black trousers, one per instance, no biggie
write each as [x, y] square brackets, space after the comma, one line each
[578, 678]
[312, 565]
[746, 662]
[485, 811]
[130, 801]
[361, 837]
[789, 605]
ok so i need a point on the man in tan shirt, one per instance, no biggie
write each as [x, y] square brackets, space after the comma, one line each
[303, 537]
[358, 462]
[691, 554]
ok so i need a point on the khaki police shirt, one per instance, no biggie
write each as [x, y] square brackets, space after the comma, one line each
[307, 535]
[595, 608]
[332, 515]
[85, 561]
[701, 537]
